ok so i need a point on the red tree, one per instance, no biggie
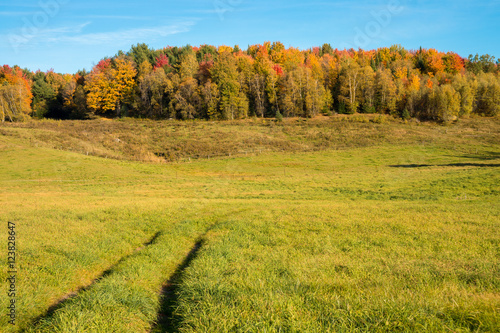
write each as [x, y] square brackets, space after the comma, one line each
[161, 61]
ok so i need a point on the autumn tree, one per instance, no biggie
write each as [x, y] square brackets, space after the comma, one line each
[446, 104]
[292, 94]
[161, 61]
[453, 63]
[350, 78]
[153, 87]
[272, 91]
[302, 94]
[209, 94]
[317, 98]
[385, 91]
[467, 88]
[412, 96]
[488, 95]
[313, 62]
[265, 80]
[188, 66]
[292, 58]
[100, 95]
[15, 94]
[429, 61]
[110, 85]
[71, 101]
[276, 54]
[257, 87]
[252, 84]
[233, 104]
[206, 53]
[74, 97]
[204, 69]
[244, 65]
[367, 89]
[265, 85]
[186, 100]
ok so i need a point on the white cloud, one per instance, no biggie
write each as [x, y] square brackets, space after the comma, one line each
[64, 30]
[74, 35]
[130, 35]
[40, 35]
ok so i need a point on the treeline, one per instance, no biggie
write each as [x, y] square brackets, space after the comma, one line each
[266, 80]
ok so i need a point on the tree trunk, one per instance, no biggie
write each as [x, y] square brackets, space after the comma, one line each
[118, 109]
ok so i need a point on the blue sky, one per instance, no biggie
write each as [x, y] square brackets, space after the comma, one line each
[68, 35]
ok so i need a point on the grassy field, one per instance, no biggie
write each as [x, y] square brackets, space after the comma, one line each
[325, 225]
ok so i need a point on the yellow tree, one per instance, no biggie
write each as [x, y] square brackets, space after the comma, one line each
[367, 89]
[412, 95]
[444, 104]
[56, 81]
[110, 85]
[225, 48]
[188, 66]
[292, 58]
[488, 95]
[277, 53]
[313, 63]
[317, 98]
[123, 81]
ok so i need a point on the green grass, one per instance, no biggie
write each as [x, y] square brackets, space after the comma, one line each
[400, 234]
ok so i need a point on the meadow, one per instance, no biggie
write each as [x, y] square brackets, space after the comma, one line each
[342, 224]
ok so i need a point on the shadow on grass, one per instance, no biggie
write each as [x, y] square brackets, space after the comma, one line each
[167, 320]
[68, 297]
[479, 165]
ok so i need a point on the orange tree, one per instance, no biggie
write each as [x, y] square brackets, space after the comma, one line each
[15, 94]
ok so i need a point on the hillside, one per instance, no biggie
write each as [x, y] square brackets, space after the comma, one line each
[177, 141]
